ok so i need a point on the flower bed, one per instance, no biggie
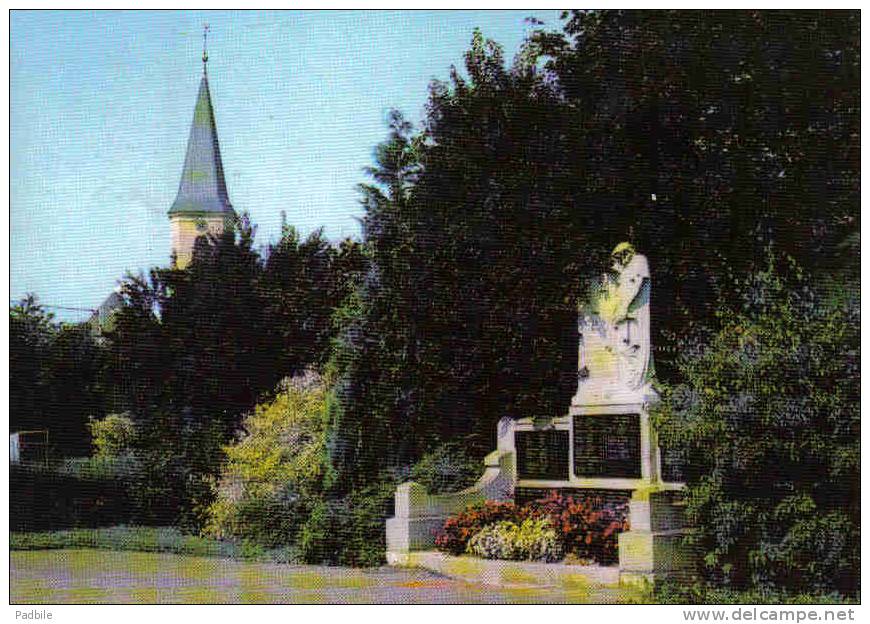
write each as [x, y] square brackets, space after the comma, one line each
[583, 528]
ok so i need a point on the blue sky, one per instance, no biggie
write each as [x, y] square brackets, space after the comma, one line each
[101, 105]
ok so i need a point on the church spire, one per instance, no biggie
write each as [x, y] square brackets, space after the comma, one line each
[202, 189]
[202, 206]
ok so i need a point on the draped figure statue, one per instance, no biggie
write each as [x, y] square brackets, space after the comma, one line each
[614, 328]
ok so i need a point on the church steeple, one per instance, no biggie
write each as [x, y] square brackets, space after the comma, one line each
[202, 187]
[202, 204]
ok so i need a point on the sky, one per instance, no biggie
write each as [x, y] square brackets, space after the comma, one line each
[101, 106]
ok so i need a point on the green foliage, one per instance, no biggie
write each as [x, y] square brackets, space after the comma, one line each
[534, 539]
[768, 419]
[113, 436]
[98, 467]
[460, 528]
[158, 487]
[31, 329]
[142, 539]
[348, 530]
[684, 133]
[55, 373]
[469, 211]
[714, 134]
[276, 468]
[370, 507]
[672, 592]
[447, 468]
[43, 497]
[193, 350]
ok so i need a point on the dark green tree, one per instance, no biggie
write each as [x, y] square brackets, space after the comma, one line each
[769, 420]
[193, 350]
[75, 390]
[303, 282]
[31, 330]
[55, 374]
[467, 312]
[373, 353]
[711, 135]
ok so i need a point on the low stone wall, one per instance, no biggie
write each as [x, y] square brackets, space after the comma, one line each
[419, 515]
[513, 573]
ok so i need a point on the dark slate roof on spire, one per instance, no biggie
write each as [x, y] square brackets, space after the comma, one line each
[202, 187]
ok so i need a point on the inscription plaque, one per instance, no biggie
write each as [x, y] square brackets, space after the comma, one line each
[542, 454]
[607, 445]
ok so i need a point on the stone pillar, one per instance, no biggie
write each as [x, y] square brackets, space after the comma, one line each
[653, 549]
[649, 468]
[411, 528]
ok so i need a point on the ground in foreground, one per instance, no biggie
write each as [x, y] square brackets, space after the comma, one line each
[99, 576]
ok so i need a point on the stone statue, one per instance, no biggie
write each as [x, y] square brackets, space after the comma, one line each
[614, 328]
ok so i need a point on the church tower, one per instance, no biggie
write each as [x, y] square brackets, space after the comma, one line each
[202, 206]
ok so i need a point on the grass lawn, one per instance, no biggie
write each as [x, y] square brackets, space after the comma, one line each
[85, 576]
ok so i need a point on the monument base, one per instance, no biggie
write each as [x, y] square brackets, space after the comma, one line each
[653, 549]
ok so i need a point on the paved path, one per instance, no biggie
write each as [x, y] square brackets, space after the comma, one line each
[99, 576]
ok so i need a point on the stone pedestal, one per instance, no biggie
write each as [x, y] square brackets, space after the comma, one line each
[653, 549]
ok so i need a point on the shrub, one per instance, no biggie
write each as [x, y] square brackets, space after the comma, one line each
[348, 530]
[269, 519]
[534, 539]
[495, 541]
[146, 539]
[447, 468]
[768, 417]
[316, 541]
[273, 474]
[537, 540]
[674, 592]
[459, 529]
[587, 526]
[42, 498]
[157, 486]
[113, 436]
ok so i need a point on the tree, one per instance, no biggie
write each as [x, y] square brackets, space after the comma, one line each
[303, 282]
[374, 354]
[214, 318]
[769, 419]
[31, 329]
[467, 312]
[112, 436]
[55, 377]
[193, 350]
[74, 388]
[274, 472]
[711, 135]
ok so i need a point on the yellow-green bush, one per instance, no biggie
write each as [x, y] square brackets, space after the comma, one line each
[276, 468]
[113, 435]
